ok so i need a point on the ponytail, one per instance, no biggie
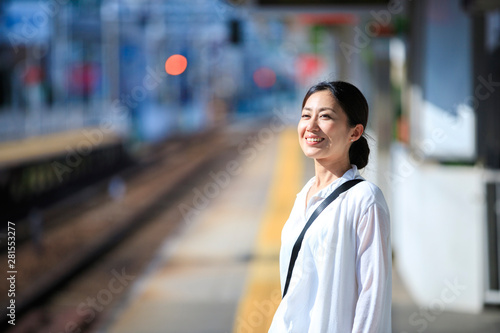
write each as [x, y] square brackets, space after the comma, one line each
[359, 152]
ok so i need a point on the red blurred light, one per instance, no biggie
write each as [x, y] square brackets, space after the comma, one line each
[308, 65]
[329, 19]
[176, 64]
[264, 77]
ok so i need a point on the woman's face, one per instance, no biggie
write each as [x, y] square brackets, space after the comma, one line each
[324, 132]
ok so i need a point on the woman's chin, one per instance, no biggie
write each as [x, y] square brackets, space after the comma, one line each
[312, 153]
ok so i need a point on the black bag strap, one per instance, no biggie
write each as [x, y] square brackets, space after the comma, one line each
[298, 243]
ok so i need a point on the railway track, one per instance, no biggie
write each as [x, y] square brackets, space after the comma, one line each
[88, 260]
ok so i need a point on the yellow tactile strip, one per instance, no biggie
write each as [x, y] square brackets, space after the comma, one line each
[263, 293]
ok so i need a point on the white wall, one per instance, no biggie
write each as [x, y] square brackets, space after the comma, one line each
[438, 218]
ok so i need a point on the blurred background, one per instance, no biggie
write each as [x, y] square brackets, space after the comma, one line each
[122, 121]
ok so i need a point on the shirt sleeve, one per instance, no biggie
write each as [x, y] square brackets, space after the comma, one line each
[373, 272]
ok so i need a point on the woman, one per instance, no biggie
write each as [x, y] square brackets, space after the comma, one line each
[341, 280]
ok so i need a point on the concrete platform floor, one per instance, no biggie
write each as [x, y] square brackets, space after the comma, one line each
[201, 279]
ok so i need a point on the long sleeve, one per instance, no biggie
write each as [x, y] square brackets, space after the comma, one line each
[342, 276]
[373, 272]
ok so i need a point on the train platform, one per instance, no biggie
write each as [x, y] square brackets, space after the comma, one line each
[220, 273]
[38, 171]
[51, 145]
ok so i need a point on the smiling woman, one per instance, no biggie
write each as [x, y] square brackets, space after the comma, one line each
[336, 277]
[345, 105]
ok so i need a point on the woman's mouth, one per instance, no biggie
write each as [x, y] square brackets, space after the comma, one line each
[314, 140]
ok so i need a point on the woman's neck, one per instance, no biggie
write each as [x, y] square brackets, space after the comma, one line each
[327, 172]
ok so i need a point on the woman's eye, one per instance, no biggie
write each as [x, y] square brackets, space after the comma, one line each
[304, 116]
[326, 116]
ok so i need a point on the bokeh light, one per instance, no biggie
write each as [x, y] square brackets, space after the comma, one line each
[307, 66]
[176, 64]
[264, 77]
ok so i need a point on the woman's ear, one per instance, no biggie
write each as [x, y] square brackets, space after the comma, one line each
[356, 132]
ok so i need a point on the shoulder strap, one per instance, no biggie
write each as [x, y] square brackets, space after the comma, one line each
[298, 243]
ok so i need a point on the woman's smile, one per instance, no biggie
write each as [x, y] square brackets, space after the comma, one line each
[314, 140]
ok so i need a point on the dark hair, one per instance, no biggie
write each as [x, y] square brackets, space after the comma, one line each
[354, 104]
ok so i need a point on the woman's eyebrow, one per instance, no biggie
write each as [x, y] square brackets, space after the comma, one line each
[325, 108]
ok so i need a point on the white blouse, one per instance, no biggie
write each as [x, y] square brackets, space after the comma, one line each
[341, 281]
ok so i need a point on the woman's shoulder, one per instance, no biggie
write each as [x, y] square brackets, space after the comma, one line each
[367, 193]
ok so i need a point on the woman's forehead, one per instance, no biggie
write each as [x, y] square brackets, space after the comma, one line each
[321, 98]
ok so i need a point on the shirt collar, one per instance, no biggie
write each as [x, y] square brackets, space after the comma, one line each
[352, 173]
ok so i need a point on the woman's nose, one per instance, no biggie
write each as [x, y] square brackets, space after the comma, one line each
[312, 124]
